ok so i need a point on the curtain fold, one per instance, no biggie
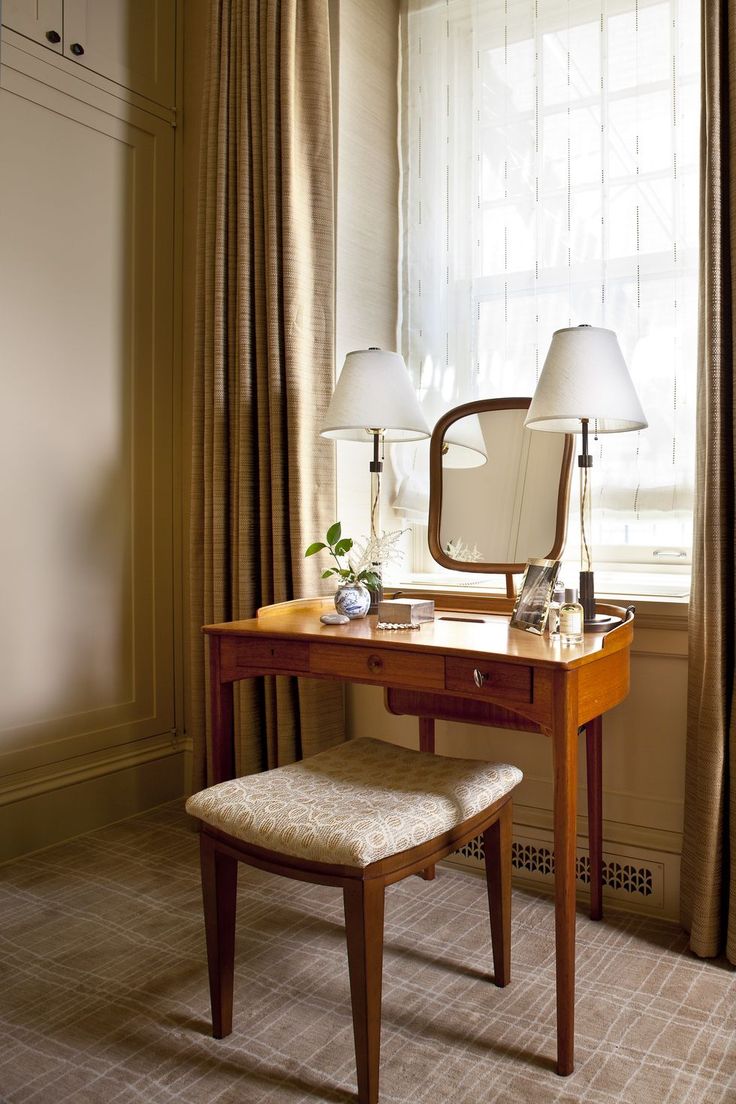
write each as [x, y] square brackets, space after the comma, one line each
[708, 878]
[263, 481]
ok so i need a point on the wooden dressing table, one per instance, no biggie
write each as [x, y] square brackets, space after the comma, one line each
[466, 665]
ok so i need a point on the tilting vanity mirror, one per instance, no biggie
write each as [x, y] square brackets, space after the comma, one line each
[508, 502]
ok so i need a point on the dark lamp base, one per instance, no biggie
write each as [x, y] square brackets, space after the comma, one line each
[587, 595]
[602, 622]
[377, 594]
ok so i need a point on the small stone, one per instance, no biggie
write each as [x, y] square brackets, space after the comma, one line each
[334, 619]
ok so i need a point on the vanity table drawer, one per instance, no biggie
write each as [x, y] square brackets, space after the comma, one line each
[289, 656]
[501, 681]
[382, 665]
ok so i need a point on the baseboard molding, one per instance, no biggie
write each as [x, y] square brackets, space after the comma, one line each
[78, 799]
[62, 773]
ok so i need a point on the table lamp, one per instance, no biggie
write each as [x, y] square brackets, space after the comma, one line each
[585, 384]
[374, 399]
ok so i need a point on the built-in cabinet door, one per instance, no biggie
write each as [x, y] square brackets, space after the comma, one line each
[131, 42]
[86, 233]
[41, 20]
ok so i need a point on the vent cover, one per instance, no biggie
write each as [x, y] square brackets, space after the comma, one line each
[624, 877]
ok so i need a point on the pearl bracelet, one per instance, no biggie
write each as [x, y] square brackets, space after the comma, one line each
[392, 625]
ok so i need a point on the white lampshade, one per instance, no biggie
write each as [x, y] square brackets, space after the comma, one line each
[374, 391]
[585, 376]
[464, 446]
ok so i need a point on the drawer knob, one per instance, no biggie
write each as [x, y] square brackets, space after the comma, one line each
[479, 677]
[375, 663]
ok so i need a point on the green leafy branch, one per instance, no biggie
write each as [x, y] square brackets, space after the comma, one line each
[338, 547]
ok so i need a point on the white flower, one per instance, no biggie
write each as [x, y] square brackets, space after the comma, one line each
[458, 550]
[376, 550]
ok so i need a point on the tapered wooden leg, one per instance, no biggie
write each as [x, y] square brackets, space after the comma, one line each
[221, 717]
[364, 907]
[219, 893]
[426, 734]
[594, 761]
[497, 848]
[565, 769]
[426, 743]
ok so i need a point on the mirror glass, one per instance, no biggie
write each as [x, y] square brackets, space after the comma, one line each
[498, 492]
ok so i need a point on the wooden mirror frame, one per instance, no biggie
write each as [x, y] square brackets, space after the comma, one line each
[483, 406]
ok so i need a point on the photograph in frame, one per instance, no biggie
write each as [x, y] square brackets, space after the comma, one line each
[535, 594]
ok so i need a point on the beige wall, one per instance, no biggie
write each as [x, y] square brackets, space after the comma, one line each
[88, 723]
[59, 776]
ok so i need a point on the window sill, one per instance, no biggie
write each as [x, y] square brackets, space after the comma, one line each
[661, 599]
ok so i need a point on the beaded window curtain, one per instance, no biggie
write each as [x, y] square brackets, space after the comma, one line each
[550, 178]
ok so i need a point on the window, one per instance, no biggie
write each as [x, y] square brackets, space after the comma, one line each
[550, 177]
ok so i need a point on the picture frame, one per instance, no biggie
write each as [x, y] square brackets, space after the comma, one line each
[531, 607]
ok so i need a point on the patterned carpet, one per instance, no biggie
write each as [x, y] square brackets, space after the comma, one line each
[103, 991]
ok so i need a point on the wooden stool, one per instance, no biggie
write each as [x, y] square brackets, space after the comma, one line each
[360, 816]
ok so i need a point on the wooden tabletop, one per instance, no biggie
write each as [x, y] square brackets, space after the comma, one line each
[453, 631]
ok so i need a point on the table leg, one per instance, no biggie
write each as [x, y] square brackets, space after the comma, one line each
[565, 763]
[426, 743]
[594, 761]
[221, 718]
[426, 734]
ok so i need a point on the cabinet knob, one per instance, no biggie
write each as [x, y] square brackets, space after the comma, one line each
[479, 677]
[53, 36]
[77, 49]
[375, 664]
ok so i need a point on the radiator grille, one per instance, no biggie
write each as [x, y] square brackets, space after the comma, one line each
[624, 877]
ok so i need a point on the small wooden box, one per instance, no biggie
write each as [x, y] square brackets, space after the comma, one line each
[405, 611]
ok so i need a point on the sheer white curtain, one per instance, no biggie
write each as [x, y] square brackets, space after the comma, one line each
[550, 177]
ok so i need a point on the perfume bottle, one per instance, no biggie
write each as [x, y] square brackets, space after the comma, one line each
[553, 617]
[571, 618]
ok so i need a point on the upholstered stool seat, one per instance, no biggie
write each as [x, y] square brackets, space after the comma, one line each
[360, 816]
[355, 804]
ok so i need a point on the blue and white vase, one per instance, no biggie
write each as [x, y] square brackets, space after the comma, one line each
[352, 599]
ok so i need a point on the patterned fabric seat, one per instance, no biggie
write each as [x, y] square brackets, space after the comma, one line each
[359, 816]
[354, 804]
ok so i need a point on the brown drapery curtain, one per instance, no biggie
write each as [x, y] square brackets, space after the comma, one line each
[708, 880]
[263, 481]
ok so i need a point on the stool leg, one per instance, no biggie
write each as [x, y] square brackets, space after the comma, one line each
[497, 848]
[364, 906]
[219, 894]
